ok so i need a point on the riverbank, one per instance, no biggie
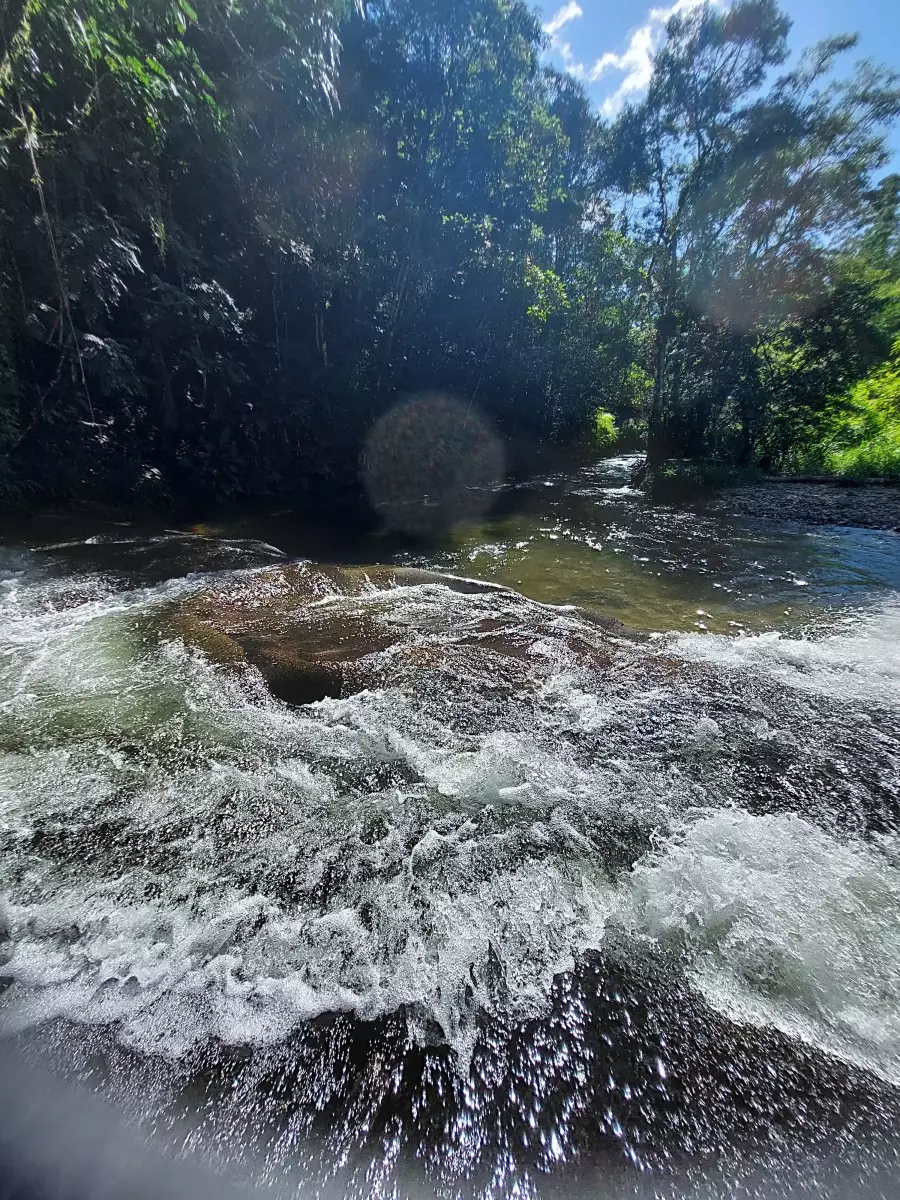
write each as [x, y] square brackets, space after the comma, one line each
[870, 504]
[867, 506]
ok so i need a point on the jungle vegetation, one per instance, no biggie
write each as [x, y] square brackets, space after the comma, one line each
[234, 232]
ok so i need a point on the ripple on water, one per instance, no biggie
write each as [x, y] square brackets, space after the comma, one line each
[190, 860]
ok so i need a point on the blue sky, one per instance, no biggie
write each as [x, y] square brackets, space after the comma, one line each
[609, 45]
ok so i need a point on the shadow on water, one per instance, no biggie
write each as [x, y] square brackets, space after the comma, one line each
[584, 537]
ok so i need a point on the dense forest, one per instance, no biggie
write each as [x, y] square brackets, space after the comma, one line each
[235, 232]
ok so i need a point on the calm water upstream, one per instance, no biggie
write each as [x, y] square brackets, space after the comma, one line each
[558, 907]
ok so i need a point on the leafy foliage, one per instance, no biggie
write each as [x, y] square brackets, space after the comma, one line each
[744, 187]
[606, 435]
[235, 235]
[858, 434]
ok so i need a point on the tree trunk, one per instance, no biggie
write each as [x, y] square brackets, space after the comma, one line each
[657, 450]
[656, 447]
[746, 451]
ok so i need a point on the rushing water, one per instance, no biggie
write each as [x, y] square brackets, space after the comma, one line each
[624, 921]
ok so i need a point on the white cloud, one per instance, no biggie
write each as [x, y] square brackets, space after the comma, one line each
[569, 12]
[564, 16]
[637, 59]
[564, 49]
[636, 62]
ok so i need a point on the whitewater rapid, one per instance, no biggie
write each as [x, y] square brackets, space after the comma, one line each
[186, 857]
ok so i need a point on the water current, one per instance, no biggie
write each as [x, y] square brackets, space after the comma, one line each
[592, 889]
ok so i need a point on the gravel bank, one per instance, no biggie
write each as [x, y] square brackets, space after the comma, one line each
[868, 506]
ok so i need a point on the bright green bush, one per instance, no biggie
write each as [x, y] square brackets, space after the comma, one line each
[858, 436]
[877, 458]
[606, 435]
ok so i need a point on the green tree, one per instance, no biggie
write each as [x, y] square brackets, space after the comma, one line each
[745, 186]
[117, 130]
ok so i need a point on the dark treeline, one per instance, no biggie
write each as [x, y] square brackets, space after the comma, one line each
[233, 232]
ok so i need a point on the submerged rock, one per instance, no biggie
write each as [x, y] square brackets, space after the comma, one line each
[317, 633]
[515, 786]
[132, 560]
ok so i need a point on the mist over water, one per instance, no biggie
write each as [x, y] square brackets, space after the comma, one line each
[632, 906]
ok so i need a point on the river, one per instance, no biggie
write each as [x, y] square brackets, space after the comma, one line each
[616, 914]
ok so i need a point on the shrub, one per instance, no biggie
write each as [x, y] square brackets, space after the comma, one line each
[632, 435]
[858, 435]
[606, 435]
[682, 478]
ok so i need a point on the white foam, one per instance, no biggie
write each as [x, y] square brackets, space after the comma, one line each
[419, 929]
[859, 661]
[254, 883]
[225, 867]
[780, 924]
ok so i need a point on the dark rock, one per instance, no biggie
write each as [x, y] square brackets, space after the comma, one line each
[315, 632]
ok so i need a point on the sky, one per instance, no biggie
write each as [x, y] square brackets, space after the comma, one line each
[609, 45]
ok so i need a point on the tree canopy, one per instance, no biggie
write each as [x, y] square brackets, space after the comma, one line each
[233, 235]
